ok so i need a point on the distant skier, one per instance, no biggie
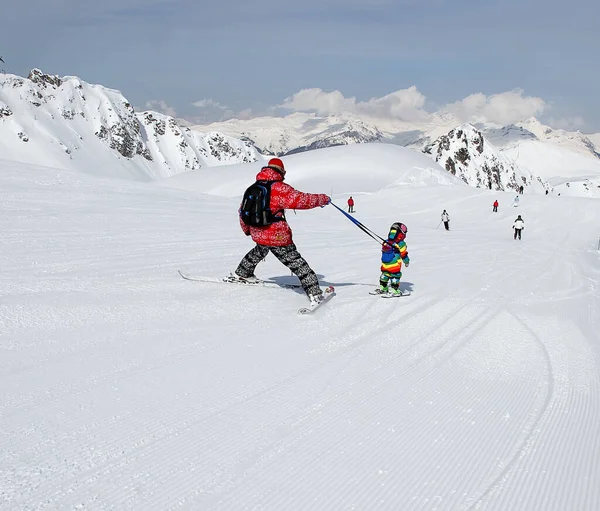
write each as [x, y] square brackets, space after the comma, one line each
[518, 226]
[516, 202]
[351, 205]
[521, 189]
[446, 219]
[495, 206]
[275, 235]
[394, 252]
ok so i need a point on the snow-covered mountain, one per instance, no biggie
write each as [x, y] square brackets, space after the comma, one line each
[301, 131]
[68, 123]
[464, 152]
[298, 131]
[573, 140]
[568, 163]
[500, 160]
[525, 160]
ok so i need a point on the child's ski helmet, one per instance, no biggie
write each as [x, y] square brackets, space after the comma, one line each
[397, 231]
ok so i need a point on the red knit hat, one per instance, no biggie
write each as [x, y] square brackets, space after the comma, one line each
[276, 164]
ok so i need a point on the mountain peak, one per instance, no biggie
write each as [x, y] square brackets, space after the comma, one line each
[465, 153]
[43, 79]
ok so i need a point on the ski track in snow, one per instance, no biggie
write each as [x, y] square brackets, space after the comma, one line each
[126, 387]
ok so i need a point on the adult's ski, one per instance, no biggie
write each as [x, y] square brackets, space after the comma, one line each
[328, 294]
[228, 280]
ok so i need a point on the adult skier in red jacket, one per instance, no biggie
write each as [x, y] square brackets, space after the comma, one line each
[277, 237]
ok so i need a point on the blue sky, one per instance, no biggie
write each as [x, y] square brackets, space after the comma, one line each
[232, 56]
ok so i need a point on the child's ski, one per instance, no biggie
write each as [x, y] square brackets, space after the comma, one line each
[328, 294]
[392, 295]
[386, 294]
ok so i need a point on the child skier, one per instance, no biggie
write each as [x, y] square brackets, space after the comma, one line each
[394, 252]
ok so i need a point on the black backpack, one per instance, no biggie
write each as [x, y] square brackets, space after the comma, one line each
[255, 210]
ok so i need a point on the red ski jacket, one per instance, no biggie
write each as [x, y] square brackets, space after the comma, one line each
[350, 201]
[283, 196]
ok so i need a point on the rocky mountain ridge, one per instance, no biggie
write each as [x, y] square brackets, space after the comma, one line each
[68, 123]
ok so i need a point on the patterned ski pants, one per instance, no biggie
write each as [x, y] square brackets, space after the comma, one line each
[287, 255]
[392, 278]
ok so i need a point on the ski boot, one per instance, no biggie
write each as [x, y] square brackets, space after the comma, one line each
[234, 277]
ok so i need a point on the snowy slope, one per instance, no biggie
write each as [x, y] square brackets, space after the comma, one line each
[507, 136]
[595, 139]
[125, 387]
[565, 171]
[68, 123]
[574, 141]
[356, 169]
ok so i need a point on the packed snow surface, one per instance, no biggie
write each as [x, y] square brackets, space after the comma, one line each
[125, 387]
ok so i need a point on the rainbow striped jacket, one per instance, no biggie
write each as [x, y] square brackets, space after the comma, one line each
[393, 256]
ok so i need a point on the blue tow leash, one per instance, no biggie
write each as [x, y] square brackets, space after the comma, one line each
[348, 215]
[361, 226]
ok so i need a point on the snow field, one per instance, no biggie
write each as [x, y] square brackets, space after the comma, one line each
[126, 387]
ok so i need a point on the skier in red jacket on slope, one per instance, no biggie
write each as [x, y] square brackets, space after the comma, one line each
[277, 237]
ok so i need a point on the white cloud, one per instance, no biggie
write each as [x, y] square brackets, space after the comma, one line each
[159, 105]
[408, 105]
[319, 101]
[404, 104]
[212, 111]
[209, 103]
[504, 108]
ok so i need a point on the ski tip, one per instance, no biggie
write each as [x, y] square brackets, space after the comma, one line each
[328, 294]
